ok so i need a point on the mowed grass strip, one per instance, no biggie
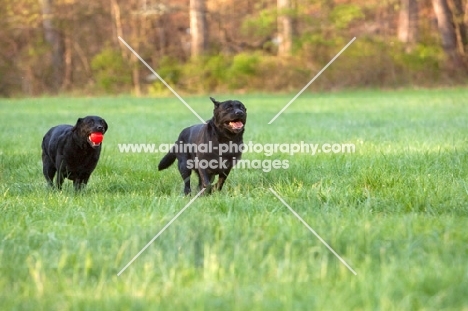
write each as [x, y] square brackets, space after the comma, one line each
[395, 210]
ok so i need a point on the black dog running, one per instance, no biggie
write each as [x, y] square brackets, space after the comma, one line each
[71, 152]
[226, 127]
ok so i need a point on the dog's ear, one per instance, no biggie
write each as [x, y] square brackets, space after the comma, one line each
[77, 122]
[105, 125]
[215, 102]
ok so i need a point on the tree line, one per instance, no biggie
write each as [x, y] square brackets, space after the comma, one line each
[71, 46]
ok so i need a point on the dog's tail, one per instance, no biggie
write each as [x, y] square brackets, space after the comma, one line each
[167, 161]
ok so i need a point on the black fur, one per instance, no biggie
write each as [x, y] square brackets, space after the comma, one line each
[219, 130]
[67, 151]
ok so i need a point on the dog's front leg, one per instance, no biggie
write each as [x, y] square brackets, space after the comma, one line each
[205, 180]
[80, 183]
[221, 179]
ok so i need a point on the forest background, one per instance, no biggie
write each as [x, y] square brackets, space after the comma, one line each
[198, 46]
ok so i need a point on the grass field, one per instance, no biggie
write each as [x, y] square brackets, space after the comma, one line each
[396, 210]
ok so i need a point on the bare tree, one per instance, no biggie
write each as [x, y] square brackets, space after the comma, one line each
[285, 28]
[198, 27]
[459, 14]
[52, 36]
[408, 23]
[447, 33]
[117, 28]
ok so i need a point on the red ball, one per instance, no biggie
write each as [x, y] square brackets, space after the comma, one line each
[96, 137]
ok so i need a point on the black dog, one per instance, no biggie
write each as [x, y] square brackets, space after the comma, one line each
[69, 151]
[210, 149]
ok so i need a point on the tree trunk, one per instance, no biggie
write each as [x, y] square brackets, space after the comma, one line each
[198, 27]
[52, 37]
[459, 13]
[161, 33]
[117, 27]
[68, 71]
[447, 33]
[408, 23]
[285, 28]
[134, 61]
[84, 60]
[465, 17]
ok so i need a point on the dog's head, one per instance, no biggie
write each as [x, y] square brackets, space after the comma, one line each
[230, 115]
[84, 127]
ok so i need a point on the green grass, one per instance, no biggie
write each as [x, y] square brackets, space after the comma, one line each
[396, 210]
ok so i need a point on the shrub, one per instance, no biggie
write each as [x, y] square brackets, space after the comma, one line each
[242, 70]
[171, 71]
[111, 71]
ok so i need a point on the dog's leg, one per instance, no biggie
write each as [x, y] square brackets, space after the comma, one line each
[60, 179]
[185, 173]
[187, 189]
[200, 183]
[60, 173]
[205, 180]
[48, 169]
[221, 179]
[80, 183]
[77, 184]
